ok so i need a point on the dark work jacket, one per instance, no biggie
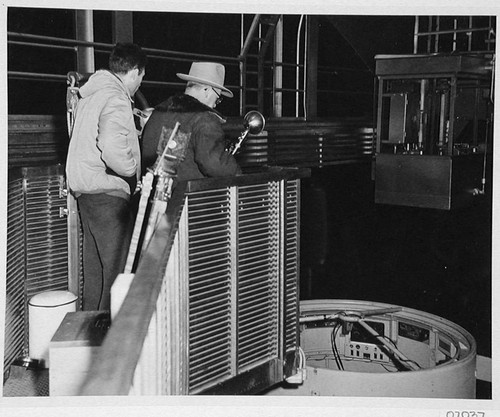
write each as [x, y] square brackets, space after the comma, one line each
[205, 156]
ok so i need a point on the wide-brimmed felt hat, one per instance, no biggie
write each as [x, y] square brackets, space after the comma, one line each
[208, 73]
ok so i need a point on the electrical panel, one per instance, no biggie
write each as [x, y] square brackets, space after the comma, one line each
[434, 129]
[359, 344]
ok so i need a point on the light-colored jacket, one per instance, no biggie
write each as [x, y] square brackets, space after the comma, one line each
[104, 148]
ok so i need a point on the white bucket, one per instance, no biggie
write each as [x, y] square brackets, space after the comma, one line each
[46, 311]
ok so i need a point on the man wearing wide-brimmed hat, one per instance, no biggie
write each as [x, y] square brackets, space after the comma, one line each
[195, 111]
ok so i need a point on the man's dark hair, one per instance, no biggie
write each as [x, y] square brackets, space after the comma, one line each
[125, 57]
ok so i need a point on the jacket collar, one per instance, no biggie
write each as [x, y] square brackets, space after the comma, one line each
[183, 103]
[120, 82]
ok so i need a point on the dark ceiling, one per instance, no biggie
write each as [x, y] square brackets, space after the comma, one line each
[373, 35]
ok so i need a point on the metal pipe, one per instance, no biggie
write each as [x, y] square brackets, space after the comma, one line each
[454, 35]
[407, 363]
[442, 114]
[85, 31]
[469, 35]
[59, 40]
[297, 73]
[415, 35]
[242, 66]
[450, 31]
[421, 123]
[18, 75]
[429, 38]
[436, 40]
[41, 45]
[305, 68]
[278, 70]
[250, 36]
[33, 75]
[108, 46]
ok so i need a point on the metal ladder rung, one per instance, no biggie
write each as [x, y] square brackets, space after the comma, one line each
[260, 35]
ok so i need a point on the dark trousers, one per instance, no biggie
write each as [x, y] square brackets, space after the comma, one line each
[107, 224]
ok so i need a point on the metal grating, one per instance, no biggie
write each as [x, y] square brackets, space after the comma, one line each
[258, 273]
[291, 264]
[340, 144]
[37, 248]
[254, 151]
[209, 286]
[229, 302]
[46, 235]
[15, 340]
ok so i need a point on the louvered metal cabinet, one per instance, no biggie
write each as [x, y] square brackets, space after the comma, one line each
[37, 247]
[243, 276]
[226, 320]
[242, 286]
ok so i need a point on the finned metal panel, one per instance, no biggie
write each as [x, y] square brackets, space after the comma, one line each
[291, 263]
[340, 144]
[46, 234]
[243, 276]
[258, 273]
[209, 287]
[37, 251]
[305, 144]
[15, 338]
[230, 294]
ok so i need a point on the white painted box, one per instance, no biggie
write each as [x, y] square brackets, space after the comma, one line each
[75, 344]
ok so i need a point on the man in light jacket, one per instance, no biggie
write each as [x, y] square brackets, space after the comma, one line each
[103, 167]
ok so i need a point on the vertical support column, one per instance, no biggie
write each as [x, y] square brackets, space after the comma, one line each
[85, 62]
[243, 85]
[422, 120]
[436, 37]
[311, 92]
[122, 26]
[278, 70]
[242, 66]
[85, 32]
[429, 38]
[415, 35]
[475, 120]
[455, 27]
[443, 122]
[451, 118]
[260, 83]
[379, 115]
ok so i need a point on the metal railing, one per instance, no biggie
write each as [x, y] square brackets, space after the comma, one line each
[39, 41]
[454, 34]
